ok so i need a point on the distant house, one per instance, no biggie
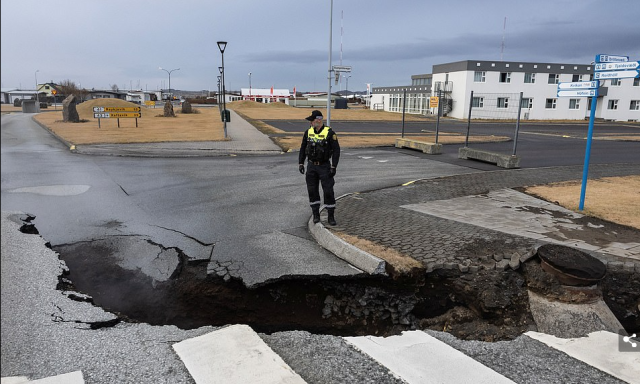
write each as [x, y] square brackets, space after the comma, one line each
[102, 94]
[142, 97]
[9, 95]
[49, 90]
[266, 95]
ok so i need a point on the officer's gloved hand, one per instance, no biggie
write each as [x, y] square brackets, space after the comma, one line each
[332, 171]
[301, 168]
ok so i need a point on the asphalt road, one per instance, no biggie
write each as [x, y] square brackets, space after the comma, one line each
[538, 144]
[247, 212]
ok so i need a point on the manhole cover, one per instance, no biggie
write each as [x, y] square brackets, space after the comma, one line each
[571, 266]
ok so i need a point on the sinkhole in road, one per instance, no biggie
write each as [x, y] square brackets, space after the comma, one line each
[488, 305]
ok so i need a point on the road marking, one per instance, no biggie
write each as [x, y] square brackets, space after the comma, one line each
[417, 357]
[235, 354]
[600, 350]
[66, 378]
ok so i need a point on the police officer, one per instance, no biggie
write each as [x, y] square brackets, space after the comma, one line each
[320, 146]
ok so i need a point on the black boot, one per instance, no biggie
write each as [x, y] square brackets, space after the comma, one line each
[330, 218]
[316, 213]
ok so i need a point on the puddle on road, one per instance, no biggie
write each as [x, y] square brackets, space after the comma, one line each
[488, 305]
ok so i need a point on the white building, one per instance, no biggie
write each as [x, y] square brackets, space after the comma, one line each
[497, 85]
[266, 95]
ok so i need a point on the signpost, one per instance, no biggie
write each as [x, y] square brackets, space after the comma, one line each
[611, 59]
[616, 74]
[579, 93]
[117, 113]
[607, 67]
[342, 68]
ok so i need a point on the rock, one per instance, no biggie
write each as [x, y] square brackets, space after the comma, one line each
[502, 264]
[186, 107]
[527, 255]
[515, 261]
[69, 111]
[168, 110]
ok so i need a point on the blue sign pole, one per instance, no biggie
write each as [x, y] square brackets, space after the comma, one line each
[585, 171]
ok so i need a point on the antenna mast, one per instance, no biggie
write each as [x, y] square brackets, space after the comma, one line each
[504, 28]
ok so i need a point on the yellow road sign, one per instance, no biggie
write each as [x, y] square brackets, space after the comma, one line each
[149, 102]
[433, 102]
[116, 109]
[111, 115]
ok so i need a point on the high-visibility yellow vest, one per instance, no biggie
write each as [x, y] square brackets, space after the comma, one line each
[318, 144]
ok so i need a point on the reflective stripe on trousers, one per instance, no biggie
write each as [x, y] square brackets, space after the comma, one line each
[320, 175]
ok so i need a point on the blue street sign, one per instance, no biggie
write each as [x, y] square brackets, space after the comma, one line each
[617, 66]
[611, 58]
[616, 74]
[579, 93]
[578, 85]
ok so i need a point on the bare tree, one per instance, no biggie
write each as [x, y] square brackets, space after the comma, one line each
[114, 87]
[68, 87]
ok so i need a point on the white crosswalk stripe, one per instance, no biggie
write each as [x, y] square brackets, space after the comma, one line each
[237, 354]
[419, 358]
[234, 354]
[600, 350]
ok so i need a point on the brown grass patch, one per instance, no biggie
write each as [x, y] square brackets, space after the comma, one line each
[280, 111]
[152, 127]
[401, 264]
[615, 199]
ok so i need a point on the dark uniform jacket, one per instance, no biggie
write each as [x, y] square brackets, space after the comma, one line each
[328, 147]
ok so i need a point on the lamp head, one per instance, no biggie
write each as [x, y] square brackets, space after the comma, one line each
[222, 45]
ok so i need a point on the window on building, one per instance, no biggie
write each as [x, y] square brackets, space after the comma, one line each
[613, 104]
[478, 102]
[551, 103]
[636, 82]
[635, 105]
[479, 76]
[574, 103]
[526, 102]
[505, 77]
[553, 78]
[591, 77]
[529, 78]
[503, 102]
[616, 82]
[588, 103]
[575, 78]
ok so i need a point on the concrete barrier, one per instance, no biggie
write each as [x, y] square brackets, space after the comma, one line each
[429, 148]
[499, 159]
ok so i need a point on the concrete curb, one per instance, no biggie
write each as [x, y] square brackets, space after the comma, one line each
[347, 252]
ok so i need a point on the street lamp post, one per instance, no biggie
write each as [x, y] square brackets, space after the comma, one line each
[169, 72]
[330, 66]
[222, 45]
[249, 85]
[347, 86]
[37, 93]
[219, 91]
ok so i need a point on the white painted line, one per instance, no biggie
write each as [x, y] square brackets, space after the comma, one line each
[417, 357]
[66, 378]
[234, 355]
[600, 350]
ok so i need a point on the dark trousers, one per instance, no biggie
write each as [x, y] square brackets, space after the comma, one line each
[320, 175]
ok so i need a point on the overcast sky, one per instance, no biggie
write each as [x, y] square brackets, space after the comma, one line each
[285, 43]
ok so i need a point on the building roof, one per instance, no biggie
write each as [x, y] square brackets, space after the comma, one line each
[512, 66]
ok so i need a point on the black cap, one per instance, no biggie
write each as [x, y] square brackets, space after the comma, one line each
[315, 114]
